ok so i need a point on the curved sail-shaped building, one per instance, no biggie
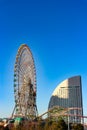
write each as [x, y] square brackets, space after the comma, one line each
[68, 94]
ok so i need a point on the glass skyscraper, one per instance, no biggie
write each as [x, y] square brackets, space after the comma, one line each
[68, 94]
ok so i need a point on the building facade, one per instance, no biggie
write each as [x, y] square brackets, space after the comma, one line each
[68, 94]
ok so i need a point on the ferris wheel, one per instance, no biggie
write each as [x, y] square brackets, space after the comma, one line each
[25, 83]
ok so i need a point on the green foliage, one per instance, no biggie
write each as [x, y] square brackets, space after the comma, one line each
[41, 125]
[77, 127]
[48, 124]
[61, 125]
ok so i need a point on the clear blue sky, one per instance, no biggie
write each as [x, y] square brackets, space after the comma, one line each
[56, 32]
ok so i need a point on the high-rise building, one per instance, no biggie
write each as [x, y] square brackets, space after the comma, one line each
[68, 94]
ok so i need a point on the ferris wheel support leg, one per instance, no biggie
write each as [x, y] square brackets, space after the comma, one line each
[13, 112]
